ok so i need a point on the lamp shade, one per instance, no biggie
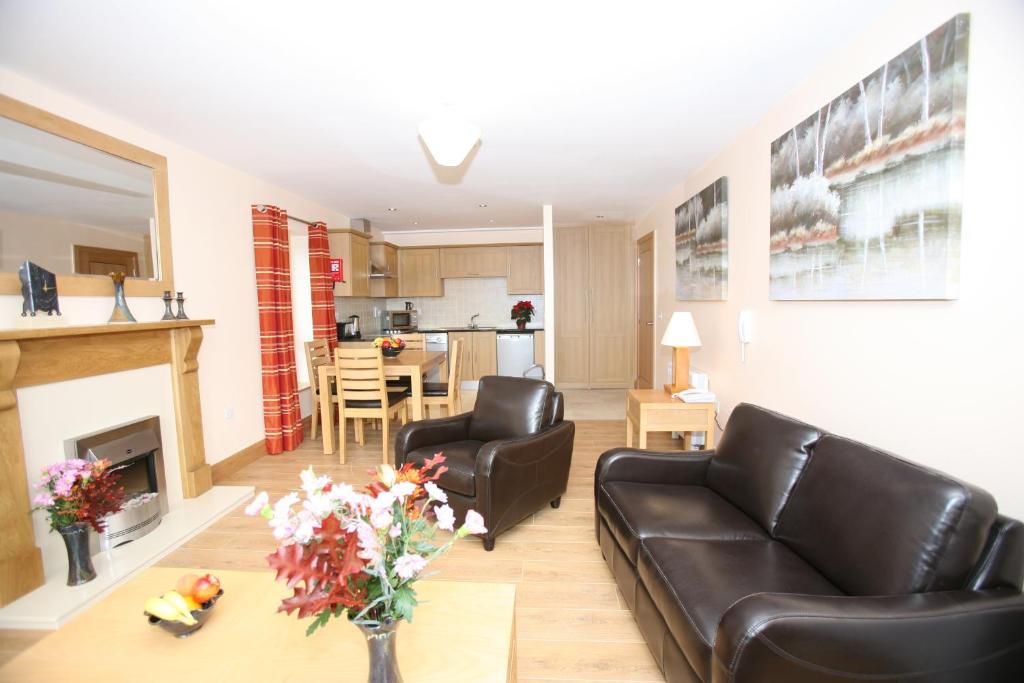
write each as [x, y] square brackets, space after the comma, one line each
[681, 331]
[449, 138]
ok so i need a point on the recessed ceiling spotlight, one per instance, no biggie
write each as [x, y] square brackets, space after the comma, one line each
[392, 209]
[482, 205]
[599, 216]
[491, 220]
[415, 222]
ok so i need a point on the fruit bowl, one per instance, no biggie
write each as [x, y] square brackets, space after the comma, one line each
[180, 630]
[391, 352]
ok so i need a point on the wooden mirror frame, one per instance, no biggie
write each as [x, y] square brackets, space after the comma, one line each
[96, 285]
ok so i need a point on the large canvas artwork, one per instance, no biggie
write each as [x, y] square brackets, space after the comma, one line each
[867, 191]
[702, 244]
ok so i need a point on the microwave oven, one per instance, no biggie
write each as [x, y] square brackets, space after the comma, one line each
[403, 320]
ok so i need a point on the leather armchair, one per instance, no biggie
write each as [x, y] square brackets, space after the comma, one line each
[506, 459]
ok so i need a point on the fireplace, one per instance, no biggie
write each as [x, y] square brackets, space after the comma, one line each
[134, 451]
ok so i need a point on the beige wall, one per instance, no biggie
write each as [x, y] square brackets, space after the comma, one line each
[213, 265]
[934, 381]
[420, 238]
[49, 242]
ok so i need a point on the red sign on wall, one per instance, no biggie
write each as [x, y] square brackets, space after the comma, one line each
[337, 270]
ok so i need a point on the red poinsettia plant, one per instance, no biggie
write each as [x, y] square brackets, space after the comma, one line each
[360, 552]
[74, 491]
[523, 312]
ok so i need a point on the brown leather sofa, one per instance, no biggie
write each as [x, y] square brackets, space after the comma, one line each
[506, 459]
[791, 554]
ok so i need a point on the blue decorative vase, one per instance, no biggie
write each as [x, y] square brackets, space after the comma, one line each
[121, 314]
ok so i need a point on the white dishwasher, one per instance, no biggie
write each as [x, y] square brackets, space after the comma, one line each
[515, 354]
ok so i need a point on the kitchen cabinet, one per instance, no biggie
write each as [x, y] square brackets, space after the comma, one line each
[474, 262]
[479, 353]
[419, 272]
[594, 307]
[526, 269]
[538, 347]
[384, 259]
[353, 248]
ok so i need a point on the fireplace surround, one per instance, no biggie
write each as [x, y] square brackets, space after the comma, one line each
[135, 451]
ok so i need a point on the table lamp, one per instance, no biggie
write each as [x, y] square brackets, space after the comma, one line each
[681, 334]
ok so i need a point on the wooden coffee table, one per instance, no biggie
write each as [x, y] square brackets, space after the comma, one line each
[460, 632]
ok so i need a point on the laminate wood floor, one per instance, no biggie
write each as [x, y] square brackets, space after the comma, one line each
[572, 624]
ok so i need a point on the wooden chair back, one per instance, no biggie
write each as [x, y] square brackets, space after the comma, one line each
[318, 353]
[414, 342]
[360, 374]
[455, 368]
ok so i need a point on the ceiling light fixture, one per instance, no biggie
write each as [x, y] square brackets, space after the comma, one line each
[392, 209]
[599, 216]
[449, 138]
[482, 205]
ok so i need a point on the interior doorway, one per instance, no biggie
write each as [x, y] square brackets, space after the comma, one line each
[645, 312]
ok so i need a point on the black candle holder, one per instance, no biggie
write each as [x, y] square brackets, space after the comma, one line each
[168, 313]
[181, 307]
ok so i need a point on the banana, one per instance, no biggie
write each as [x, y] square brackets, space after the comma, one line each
[162, 609]
[179, 602]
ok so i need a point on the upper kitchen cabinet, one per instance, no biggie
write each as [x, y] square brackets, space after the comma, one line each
[419, 272]
[526, 269]
[474, 262]
[353, 248]
[383, 269]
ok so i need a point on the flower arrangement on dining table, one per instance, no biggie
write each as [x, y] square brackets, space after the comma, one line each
[345, 551]
[79, 492]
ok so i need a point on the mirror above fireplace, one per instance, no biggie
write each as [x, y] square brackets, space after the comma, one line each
[81, 204]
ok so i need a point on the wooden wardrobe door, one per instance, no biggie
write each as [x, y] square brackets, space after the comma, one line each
[611, 306]
[572, 311]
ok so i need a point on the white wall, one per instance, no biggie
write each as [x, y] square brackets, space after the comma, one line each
[430, 237]
[211, 230]
[934, 381]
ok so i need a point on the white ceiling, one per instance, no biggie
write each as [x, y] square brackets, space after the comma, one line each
[594, 107]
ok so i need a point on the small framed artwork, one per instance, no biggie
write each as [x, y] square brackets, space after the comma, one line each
[702, 245]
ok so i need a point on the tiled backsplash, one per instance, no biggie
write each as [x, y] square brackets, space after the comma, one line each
[464, 297]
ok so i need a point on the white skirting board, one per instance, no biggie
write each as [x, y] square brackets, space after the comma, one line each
[54, 603]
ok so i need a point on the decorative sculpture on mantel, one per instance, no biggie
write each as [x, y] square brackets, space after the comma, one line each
[38, 289]
[121, 314]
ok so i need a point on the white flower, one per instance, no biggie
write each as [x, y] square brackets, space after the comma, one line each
[403, 489]
[445, 517]
[307, 523]
[312, 483]
[384, 500]
[319, 505]
[258, 503]
[395, 531]
[474, 523]
[386, 474]
[435, 492]
[382, 519]
[282, 521]
[369, 545]
[409, 565]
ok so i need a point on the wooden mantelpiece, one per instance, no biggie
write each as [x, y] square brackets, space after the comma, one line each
[31, 357]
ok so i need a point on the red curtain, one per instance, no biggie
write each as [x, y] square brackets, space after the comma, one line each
[321, 287]
[281, 417]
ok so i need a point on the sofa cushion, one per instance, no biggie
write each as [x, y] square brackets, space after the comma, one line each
[510, 408]
[758, 459]
[877, 525]
[634, 511]
[694, 582]
[460, 459]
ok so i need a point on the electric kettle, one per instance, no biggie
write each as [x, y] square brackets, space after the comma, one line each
[353, 325]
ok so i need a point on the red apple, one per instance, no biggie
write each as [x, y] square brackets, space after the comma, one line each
[186, 584]
[205, 588]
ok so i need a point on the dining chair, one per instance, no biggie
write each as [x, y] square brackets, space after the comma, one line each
[447, 395]
[363, 393]
[318, 352]
[413, 342]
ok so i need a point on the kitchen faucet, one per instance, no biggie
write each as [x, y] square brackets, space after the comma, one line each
[472, 321]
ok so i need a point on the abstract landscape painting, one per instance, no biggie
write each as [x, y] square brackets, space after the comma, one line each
[702, 245]
[867, 191]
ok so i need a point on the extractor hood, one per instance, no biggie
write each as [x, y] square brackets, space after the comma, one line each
[379, 270]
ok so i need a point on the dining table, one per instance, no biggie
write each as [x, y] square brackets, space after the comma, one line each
[409, 363]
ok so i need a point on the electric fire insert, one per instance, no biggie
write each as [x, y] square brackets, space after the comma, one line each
[134, 450]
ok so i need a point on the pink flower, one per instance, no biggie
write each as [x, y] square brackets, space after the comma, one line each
[474, 523]
[435, 492]
[395, 531]
[43, 500]
[369, 545]
[403, 489]
[409, 565]
[445, 517]
[382, 519]
[257, 504]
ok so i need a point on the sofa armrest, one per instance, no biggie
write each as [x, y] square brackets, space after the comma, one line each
[653, 467]
[510, 473]
[430, 433]
[951, 635]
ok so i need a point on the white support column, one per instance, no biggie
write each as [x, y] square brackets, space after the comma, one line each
[549, 293]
